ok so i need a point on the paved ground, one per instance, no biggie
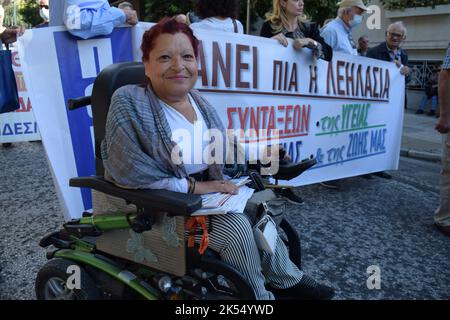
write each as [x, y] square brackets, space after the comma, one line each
[419, 136]
[380, 222]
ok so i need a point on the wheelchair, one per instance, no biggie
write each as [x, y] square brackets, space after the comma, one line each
[140, 253]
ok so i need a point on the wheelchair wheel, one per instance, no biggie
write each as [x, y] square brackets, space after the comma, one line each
[52, 282]
[219, 281]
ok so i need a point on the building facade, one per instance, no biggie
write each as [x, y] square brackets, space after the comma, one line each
[427, 40]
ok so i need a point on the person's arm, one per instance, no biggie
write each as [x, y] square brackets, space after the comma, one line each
[329, 35]
[201, 187]
[314, 34]
[10, 35]
[405, 70]
[443, 125]
[93, 18]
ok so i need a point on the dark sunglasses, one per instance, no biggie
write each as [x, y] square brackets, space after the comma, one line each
[43, 6]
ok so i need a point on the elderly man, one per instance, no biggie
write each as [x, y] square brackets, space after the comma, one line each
[391, 51]
[338, 33]
[442, 214]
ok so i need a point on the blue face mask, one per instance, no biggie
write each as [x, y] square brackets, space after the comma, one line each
[356, 21]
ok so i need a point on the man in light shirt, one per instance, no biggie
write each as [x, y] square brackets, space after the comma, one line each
[338, 33]
[87, 19]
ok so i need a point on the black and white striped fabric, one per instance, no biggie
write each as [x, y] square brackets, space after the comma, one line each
[232, 237]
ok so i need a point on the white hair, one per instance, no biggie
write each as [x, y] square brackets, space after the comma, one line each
[398, 24]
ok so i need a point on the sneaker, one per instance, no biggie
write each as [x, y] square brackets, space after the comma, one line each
[306, 289]
[431, 113]
[419, 111]
[291, 196]
[383, 175]
[6, 144]
[330, 185]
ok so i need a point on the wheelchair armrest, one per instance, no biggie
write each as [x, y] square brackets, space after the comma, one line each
[79, 102]
[292, 170]
[175, 203]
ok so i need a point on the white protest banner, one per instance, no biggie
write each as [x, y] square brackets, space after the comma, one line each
[348, 113]
[19, 125]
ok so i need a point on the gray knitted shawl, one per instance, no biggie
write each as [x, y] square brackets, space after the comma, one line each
[136, 150]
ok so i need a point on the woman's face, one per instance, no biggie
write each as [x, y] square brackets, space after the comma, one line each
[171, 66]
[292, 7]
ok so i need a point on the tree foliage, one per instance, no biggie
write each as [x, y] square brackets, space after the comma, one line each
[318, 10]
[404, 4]
[29, 12]
[155, 10]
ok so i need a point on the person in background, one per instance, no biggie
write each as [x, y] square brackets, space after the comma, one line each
[219, 15]
[363, 45]
[442, 214]
[8, 36]
[338, 33]
[44, 13]
[287, 20]
[391, 51]
[87, 19]
[431, 92]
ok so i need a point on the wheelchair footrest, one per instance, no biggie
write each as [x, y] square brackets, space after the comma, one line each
[81, 230]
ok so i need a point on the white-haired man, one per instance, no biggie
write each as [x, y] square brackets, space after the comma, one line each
[391, 51]
[338, 33]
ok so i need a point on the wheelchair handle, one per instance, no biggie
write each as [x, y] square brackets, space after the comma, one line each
[79, 102]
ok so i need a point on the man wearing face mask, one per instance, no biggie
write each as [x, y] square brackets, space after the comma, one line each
[44, 12]
[338, 33]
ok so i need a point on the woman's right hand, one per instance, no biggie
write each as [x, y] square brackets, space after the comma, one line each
[203, 187]
[281, 39]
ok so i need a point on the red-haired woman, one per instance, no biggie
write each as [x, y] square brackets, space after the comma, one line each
[138, 153]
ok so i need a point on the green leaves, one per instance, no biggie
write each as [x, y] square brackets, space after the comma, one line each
[403, 4]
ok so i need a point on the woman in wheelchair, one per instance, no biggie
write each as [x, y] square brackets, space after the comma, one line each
[138, 153]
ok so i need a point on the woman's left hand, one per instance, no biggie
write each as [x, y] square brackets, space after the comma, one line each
[301, 43]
